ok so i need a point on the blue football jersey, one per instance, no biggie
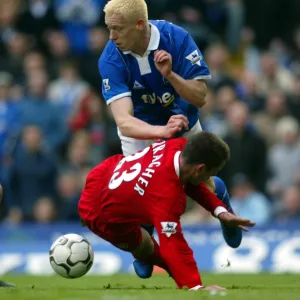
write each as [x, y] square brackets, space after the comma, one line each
[154, 98]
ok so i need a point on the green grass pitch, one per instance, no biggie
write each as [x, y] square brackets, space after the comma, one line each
[159, 287]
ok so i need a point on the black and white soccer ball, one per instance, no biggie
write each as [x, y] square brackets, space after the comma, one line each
[71, 256]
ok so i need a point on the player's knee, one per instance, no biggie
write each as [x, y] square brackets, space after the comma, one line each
[146, 246]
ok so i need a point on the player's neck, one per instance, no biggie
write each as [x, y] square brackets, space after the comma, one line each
[143, 43]
[183, 171]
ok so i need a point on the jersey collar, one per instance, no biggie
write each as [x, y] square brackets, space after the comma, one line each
[153, 43]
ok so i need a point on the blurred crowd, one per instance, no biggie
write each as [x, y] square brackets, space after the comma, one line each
[55, 126]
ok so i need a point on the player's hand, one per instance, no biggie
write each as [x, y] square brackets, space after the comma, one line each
[175, 124]
[213, 288]
[163, 62]
[231, 220]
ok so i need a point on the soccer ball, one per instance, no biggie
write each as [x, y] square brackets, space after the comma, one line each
[71, 256]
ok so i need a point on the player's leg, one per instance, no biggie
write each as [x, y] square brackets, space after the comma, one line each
[147, 255]
[232, 235]
[134, 239]
[146, 248]
[143, 269]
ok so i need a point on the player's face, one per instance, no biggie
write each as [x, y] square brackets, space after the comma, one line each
[122, 32]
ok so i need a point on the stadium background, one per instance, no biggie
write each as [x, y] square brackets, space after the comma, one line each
[55, 126]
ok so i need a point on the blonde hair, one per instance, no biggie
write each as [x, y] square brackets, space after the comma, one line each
[131, 10]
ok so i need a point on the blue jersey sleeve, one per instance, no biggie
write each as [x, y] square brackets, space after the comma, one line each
[189, 63]
[114, 79]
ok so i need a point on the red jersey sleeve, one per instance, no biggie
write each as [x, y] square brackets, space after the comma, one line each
[166, 211]
[174, 249]
[203, 196]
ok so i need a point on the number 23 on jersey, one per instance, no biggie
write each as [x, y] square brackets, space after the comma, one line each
[128, 174]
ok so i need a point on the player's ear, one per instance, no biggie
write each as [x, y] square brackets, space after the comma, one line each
[200, 168]
[140, 24]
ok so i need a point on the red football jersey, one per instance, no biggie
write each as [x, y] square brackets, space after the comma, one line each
[137, 185]
[145, 188]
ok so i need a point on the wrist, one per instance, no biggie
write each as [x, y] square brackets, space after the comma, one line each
[159, 132]
[219, 210]
[170, 76]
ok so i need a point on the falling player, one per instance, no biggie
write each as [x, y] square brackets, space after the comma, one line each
[150, 187]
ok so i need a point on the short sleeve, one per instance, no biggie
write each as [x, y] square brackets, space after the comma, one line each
[190, 63]
[114, 84]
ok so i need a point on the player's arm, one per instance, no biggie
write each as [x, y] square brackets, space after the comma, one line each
[117, 95]
[176, 253]
[193, 91]
[130, 126]
[186, 70]
[204, 197]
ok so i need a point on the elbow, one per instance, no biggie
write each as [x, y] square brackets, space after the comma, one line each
[123, 127]
[127, 126]
[201, 94]
[201, 101]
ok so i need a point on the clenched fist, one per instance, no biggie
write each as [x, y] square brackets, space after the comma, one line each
[175, 124]
[163, 62]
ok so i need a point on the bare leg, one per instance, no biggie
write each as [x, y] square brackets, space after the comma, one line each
[148, 251]
[146, 248]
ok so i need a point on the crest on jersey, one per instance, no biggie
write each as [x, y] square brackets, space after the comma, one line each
[168, 228]
[106, 85]
[194, 58]
[137, 85]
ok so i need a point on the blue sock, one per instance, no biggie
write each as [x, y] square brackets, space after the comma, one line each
[221, 192]
[232, 235]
